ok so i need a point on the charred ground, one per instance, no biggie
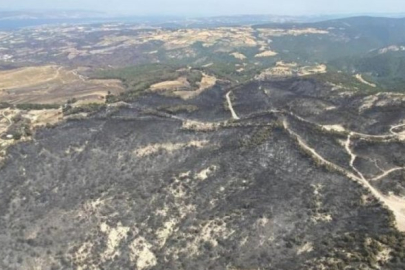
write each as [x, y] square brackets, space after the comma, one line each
[125, 146]
[138, 187]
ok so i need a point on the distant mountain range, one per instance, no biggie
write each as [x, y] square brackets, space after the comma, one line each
[23, 18]
[41, 15]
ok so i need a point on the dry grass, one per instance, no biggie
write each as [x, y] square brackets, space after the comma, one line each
[238, 56]
[199, 126]
[337, 128]
[178, 84]
[274, 32]
[52, 84]
[362, 80]
[168, 147]
[291, 69]
[207, 82]
[205, 173]
[308, 247]
[231, 37]
[266, 54]
[311, 70]
[28, 76]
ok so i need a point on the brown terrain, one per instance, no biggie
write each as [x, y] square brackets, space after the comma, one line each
[53, 84]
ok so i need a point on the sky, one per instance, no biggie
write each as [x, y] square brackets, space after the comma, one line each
[214, 7]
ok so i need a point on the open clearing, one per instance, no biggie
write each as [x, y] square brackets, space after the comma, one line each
[238, 56]
[266, 54]
[360, 78]
[207, 82]
[178, 84]
[283, 69]
[275, 32]
[25, 77]
[52, 84]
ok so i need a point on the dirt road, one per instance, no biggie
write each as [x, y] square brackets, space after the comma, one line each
[228, 98]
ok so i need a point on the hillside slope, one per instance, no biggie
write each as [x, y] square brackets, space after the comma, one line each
[138, 188]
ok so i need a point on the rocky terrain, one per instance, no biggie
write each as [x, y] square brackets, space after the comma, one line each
[297, 166]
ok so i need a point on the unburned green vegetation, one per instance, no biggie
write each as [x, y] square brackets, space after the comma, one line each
[138, 79]
[386, 69]
[87, 108]
[345, 82]
[30, 106]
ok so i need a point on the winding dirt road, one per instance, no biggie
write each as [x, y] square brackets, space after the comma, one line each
[352, 156]
[386, 173]
[395, 127]
[394, 203]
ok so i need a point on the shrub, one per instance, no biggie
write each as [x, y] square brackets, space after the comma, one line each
[29, 106]
[87, 108]
[5, 105]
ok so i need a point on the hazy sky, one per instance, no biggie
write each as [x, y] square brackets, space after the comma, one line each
[215, 7]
